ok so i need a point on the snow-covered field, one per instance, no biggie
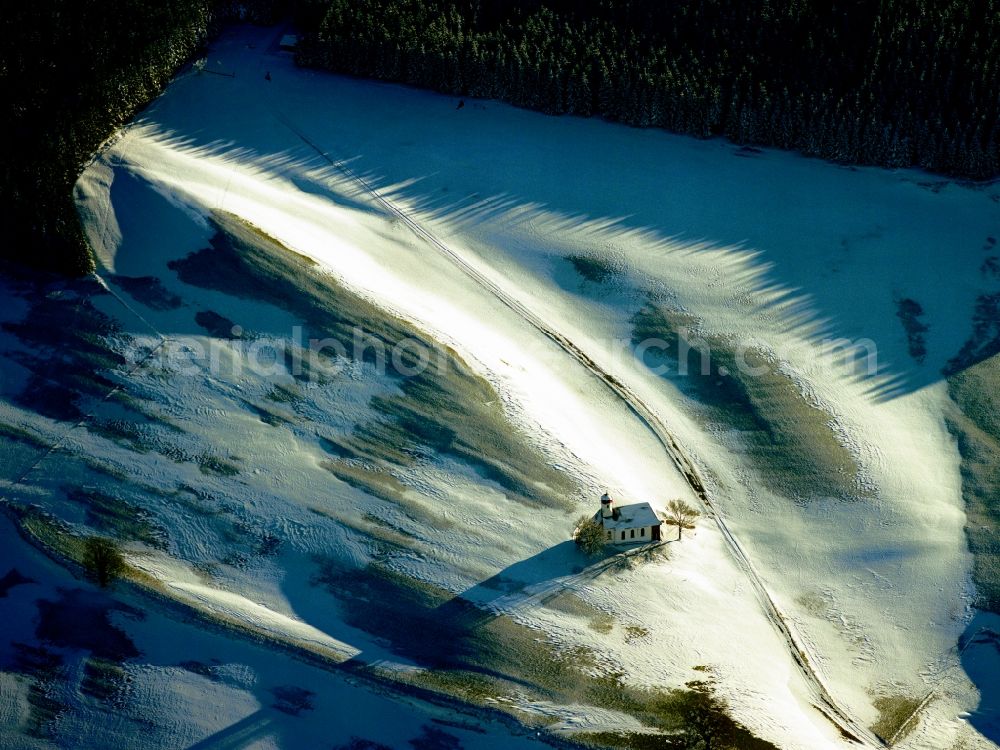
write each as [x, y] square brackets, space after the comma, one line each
[500, 235]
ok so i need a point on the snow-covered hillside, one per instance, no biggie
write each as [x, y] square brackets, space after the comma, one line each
[411, 531]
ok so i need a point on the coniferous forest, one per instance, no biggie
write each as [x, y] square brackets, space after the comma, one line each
[71, 72]
[894, 83]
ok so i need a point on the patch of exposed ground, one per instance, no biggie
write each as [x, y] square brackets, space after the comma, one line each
[149, 291]
[592, 268]
[791, 442]
[985, 339]
[910, 314]
[478, 655]
[975, 424]
[118, 517]
[71, 350]
[443, 409]
[896, 718]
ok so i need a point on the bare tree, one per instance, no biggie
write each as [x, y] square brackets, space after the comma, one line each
[681, 515]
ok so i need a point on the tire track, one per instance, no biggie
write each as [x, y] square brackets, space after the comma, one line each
[849, 727]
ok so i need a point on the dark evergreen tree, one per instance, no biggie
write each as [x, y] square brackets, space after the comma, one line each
[71, 72]
[894, 82]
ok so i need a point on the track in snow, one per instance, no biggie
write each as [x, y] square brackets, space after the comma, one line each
[539, 594]
[850, 727]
